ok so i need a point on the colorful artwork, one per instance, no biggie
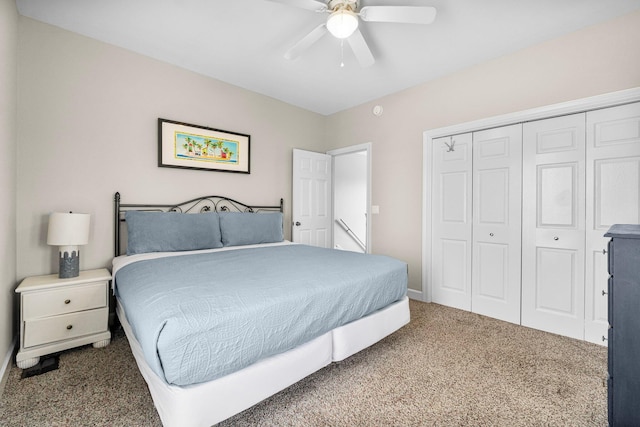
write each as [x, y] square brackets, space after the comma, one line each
[206, 149]
[189, 146]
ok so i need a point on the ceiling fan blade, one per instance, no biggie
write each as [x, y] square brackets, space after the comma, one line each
[399, 14]
[306, 42]
[313, 5]
[361, 49]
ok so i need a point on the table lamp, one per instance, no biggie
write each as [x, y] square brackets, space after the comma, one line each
[68, 231]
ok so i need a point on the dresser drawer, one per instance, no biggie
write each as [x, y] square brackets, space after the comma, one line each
[58, 328]
[64, 300]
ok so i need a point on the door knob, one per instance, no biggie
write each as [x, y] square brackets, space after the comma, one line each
[297, 224]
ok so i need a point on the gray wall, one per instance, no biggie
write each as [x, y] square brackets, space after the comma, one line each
[599, 59]
[87, 122]
[8, 137]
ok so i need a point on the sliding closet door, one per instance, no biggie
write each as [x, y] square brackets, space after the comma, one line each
[613, 197]
[553, 220]
[451, 221]
[497, 200]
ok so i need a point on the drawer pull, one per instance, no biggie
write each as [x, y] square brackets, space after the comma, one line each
[556, 238]
[604, 293]
[67, 301]
[491, 234]
[604, 339]
[604, 252]
[69, 326]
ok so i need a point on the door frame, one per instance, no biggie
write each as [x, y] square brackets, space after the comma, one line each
[580, 105]
[367, 147]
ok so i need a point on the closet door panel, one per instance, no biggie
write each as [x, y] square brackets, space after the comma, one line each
[553, 225]
[613, 197]
[453, 197]
[555, 282]
[492, 272]
[557, 195]
[497, 202]
[493, 188]
[451, 221]
[453, 279]
[616, 198]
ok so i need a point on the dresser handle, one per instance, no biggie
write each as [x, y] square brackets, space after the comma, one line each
[67, 301]
[556, 238]
[604, 293]
[604, 339]
[491, 234]
[71, 326]
[604, 252]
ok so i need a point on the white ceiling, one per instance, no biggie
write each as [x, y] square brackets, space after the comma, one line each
[242, 42]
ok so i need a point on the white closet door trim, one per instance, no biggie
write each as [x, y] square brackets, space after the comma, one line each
[570, 107]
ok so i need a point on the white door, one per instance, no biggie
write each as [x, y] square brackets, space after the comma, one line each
[311, 205]
[613, 197]
[553, 225]
[451, 243]
[497, 201]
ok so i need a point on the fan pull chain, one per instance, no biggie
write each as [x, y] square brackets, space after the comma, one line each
[342, 53]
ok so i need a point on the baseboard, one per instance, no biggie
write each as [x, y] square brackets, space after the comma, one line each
[413, 294]
[6, 365]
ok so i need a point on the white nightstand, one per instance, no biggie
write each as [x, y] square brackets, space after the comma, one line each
[58, 314]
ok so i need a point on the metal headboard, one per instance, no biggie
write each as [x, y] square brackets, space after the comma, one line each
[198, 205]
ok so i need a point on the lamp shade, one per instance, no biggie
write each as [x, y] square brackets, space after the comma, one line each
[342, 23]
[68, 229]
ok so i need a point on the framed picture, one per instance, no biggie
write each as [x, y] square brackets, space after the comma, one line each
[183, 145]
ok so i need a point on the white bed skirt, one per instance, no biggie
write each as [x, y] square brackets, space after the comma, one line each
[362, 333]
[209, 403]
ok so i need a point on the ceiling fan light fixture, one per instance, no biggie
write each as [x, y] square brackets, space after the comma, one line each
[342, 23]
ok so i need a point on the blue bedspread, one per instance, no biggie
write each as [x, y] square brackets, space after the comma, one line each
[202, 316]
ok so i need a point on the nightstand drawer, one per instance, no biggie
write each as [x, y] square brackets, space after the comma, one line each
[58, 328]
[64, 300]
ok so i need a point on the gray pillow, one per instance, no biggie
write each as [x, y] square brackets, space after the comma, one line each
[245, 228]
[171, 231]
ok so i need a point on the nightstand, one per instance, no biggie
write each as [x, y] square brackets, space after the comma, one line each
[58, 314]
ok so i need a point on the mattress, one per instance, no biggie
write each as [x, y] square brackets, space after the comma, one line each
[203, 315]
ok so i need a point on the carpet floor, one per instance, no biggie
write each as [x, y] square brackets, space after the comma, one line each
[446, 368]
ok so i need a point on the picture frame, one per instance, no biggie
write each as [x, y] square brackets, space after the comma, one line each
[189, 146]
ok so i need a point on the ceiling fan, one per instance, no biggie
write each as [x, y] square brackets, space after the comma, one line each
[343, 20]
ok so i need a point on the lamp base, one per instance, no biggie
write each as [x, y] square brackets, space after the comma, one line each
[69, 264]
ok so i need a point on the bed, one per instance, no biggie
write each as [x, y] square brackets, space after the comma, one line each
[221, 312]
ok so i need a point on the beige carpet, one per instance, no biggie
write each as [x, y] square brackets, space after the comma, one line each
[446, 368]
